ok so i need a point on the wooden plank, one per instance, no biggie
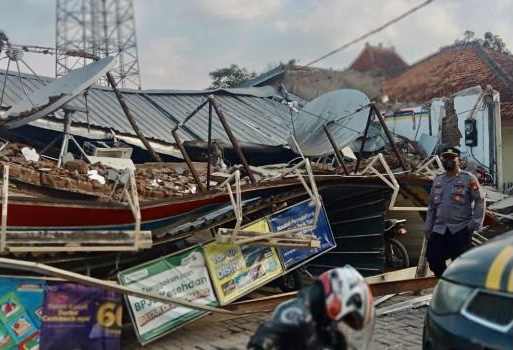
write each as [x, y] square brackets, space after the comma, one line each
[78, 278]
[66, 241]
[384, 288]
[268, 304]
[52, 249]
[398, 275]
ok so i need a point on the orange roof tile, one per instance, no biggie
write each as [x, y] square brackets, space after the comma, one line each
[376, 57]
[453, 69]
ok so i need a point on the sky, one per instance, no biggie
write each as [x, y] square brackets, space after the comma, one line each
[180, 42]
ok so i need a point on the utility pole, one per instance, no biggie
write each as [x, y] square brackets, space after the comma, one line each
[103, 28]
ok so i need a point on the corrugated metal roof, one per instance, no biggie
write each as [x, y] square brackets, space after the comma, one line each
[264, 77]
[251, 114]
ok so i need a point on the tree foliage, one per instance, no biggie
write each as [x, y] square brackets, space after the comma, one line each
[230, 77]
[494, 42]
[490, 41]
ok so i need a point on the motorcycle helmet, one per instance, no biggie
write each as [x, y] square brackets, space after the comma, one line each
[349, 305]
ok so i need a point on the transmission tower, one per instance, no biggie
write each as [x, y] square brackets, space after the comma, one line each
[103, 28]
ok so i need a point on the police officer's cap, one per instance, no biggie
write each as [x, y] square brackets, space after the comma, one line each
[450, 152]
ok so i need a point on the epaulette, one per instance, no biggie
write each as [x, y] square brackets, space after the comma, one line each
[468, 174]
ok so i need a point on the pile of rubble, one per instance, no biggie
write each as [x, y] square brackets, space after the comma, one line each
[154, 181]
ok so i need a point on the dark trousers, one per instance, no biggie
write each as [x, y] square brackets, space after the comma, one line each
[449, 245]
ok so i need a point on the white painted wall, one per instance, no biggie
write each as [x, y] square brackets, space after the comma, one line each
[414, 122]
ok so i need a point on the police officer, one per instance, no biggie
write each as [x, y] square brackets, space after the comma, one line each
[456, 209]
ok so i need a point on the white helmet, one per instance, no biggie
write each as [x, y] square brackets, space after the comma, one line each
[349, 304]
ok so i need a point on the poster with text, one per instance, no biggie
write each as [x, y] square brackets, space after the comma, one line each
[80, 317]
[302, 214]
[21, 301]
[236, 270]
[182, 275]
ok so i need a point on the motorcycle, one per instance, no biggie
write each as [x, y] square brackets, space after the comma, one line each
[483, 176]
[396, 255]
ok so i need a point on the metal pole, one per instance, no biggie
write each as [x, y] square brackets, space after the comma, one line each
[389, 136]
[359, 158]
[130, 118]
[187, 159]
[5, 201]
[194, 112]
[65, 139]
[209, 147]
[338, 154]
[232, 139]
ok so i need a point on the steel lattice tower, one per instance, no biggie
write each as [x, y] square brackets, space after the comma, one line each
[102, 27]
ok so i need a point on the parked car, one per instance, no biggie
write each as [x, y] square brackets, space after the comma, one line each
[472, 305]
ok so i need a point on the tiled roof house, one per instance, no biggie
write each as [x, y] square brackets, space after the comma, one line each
[380, 60]
[367, 73]
[453, 69]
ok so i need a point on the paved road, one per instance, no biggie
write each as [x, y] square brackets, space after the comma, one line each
[400, 330]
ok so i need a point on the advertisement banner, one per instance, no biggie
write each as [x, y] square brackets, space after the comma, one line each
[80, 317]
[302, 214]
[236, 270]
[181, 275]
[21, 301]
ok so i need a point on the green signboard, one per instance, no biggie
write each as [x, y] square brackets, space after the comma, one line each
[182, 275]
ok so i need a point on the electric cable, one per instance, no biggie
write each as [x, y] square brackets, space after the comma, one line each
[374, 31]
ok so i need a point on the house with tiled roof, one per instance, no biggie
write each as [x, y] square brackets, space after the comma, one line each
[455, 68]
[379, 60]
[367, 73]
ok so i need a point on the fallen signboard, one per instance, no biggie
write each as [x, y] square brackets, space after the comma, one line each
[21, 302]
[39, 313]
[181, 275]
[302, 214]
[239, 269]
[77, 316]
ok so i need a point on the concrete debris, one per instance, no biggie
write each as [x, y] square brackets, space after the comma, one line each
[30, 154]
[93, 175]
[154, 180]
[414, 303]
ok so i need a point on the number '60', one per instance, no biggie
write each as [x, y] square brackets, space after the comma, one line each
[109, 314]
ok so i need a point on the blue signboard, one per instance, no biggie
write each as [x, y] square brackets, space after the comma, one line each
[302, 214]
[21, 301]
[80, 317]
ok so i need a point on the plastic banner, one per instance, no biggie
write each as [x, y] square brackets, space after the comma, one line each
[182, 275]
[236, 270]
[21, 301]
[302, 214]
[80, 317]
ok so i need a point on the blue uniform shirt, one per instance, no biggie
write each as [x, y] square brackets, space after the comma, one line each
[455, 203]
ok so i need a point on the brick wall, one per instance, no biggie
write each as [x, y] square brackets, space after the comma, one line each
[451, 135]
[310, 83]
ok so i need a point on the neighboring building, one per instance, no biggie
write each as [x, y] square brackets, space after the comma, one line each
[379, 61]
[367, 73]
[455, 68]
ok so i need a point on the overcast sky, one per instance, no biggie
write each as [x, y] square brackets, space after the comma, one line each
[180, 42]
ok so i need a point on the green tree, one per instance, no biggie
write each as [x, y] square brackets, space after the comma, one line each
[494, 42]
[490, 41]
[230, 77]
[290, 63]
